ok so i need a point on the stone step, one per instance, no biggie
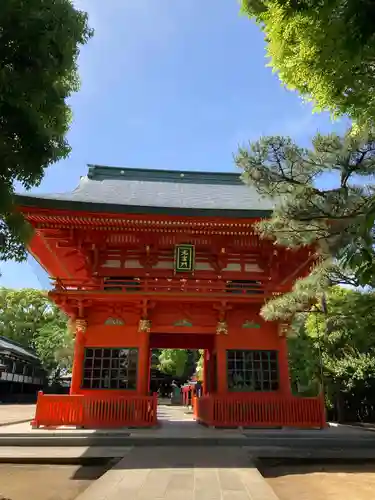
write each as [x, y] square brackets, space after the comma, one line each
[61, 454]
[101, 454]
[71, 440]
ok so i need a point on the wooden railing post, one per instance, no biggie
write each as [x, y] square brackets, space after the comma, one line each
[155, 408]
[323, 411]
[36, 420]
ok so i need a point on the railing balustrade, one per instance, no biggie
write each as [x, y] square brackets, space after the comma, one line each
[163, 286]
[93, 412]
[260, 410]
[232, 410]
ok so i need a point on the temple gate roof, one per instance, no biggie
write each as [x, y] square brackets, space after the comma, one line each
[172, 192]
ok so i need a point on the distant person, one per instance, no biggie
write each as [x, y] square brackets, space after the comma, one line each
[175, 393]
[198, 389]
[173, 387]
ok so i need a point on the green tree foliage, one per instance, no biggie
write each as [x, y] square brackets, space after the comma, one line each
[173, 361]
[304, 358]
[39, 46]
[23, 313]
[54, 346]
[28, 317]
[199, 367]
[340, 345]
[337, 222]
[181, 363]
[323, 49]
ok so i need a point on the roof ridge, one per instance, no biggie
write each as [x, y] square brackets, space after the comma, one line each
[101, 172]
[14, 342]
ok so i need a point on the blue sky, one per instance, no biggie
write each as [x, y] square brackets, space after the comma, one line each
[170, 84]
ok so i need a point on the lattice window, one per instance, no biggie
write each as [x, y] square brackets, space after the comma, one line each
[252, 370]
[110, 368]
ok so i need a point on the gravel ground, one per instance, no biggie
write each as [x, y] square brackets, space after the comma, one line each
[321, 482]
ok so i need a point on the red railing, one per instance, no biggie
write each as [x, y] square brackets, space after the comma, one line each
[164, 286]
[260, 410]
[187, 392]
[95, 412]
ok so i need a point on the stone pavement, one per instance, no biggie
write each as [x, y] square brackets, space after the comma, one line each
[170, 473]
[11, 414]
[59, 454]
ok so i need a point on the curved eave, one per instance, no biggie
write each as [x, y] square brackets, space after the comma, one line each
[77, 206]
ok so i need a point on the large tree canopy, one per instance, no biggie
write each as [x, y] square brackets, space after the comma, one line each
[181, 363]
[28, 317]
[173, 361]
[337, 220]
[336, 349]
[324, 49]
[39, 46]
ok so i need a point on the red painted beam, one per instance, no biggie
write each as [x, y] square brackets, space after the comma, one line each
[181, 341]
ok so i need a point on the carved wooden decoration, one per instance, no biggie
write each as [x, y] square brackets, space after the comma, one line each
[144, 325]
[183, 322]
[222, 328]
[114, 321]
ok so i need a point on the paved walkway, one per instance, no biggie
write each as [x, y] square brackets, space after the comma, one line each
[173, 472]
[169, 473]
[10, 414]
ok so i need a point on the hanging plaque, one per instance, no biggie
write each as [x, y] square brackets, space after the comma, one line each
[184, 258]
[250, 324]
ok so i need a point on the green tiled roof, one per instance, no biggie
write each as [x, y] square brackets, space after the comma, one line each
[130, 190]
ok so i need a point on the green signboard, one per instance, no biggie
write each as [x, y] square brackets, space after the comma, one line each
[184, 258]
[250, 324]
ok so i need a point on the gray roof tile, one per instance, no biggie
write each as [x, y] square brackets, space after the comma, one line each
[9, 345]
[164, 188]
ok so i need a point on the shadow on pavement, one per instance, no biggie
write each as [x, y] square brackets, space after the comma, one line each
[188, 457]
[93, 472]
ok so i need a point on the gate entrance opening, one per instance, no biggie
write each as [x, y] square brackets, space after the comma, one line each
[191, 342]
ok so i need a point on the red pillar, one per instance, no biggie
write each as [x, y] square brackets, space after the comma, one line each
[221, 365]
[79, 355]
[143, 364]
[284, 366]
[149, 370]
[213, 382]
